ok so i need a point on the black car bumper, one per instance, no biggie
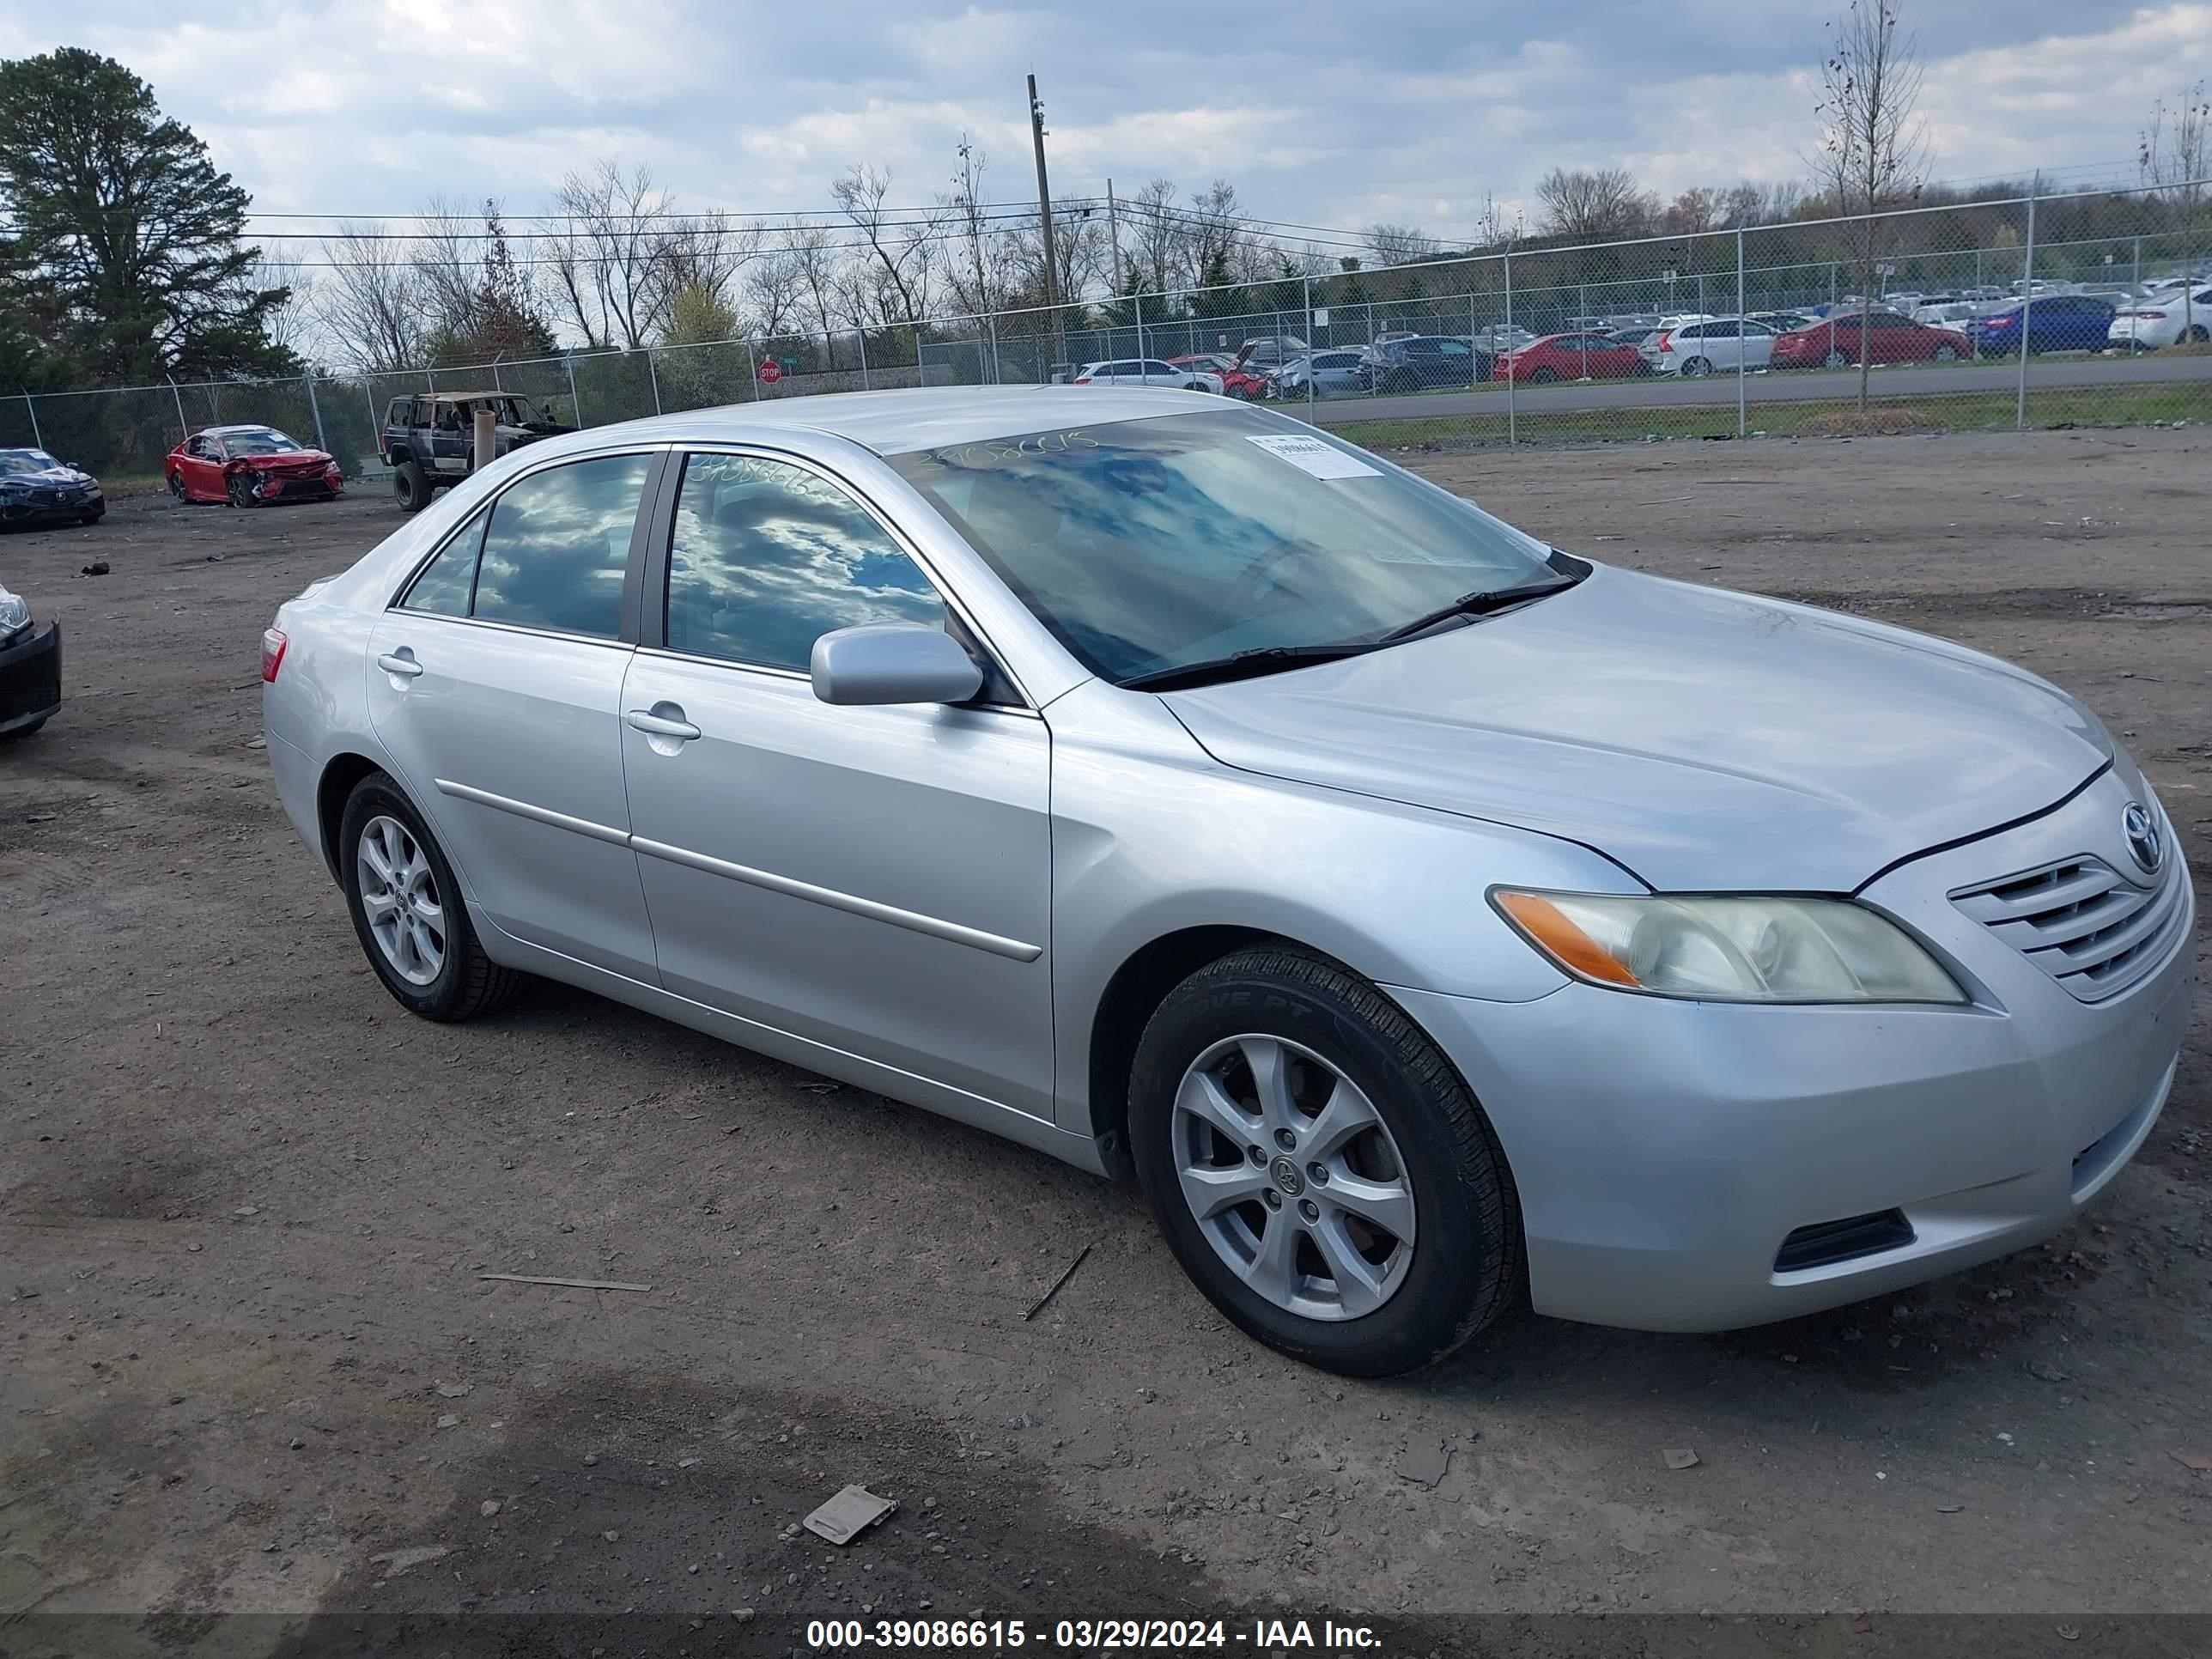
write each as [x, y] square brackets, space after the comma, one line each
[31, 678]
[18, 514]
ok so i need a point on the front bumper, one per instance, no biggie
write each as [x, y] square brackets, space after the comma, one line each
[17, 512]
[1664, 1151]
[31, 678]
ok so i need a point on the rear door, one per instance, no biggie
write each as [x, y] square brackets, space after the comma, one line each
[495, 681]
[202, 466]
[875, 880]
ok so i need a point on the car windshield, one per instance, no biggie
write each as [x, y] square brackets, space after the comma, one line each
[1146, 545]
[264, 442]
[23, 463]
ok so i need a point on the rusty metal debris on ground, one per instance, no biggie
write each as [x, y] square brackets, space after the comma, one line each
[848, 1515]
[1038, 1306]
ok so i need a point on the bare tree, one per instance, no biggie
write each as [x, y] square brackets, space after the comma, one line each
[370, 301]
[290, 323]
[811, 253]
[977, 277]
[1157, 230]
[1401, 245]
[622, 255]
[1872, 152]
[2174, 153]
[448, 257]
[1594, 205]
[902, 249]
[774, 289]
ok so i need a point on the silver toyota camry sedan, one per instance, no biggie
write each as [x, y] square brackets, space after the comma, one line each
[1431, 920]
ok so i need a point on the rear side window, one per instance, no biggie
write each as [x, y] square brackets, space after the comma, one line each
[767, 557]
[444, 585]
[558, 544]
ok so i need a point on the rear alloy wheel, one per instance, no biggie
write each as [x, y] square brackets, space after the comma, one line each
[1835, 359]
[239, 490]
[2197, 335]
[1698, 367]
[177, 486]
[408, 911]
[1319, 1169]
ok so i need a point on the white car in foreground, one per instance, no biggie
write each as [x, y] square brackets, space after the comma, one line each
[2165, 319]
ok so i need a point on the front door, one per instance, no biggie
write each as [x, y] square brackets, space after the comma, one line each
[495, 684]
[875, 880]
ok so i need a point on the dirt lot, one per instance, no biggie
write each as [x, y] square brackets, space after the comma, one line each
[247, 1365]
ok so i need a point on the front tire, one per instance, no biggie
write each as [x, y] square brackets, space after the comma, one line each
[408, 911]
[237, 491]
[411, 486]
[1835, 359]
[1946, 353]
[1319, 1169]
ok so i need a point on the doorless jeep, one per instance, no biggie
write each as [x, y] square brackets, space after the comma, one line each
[430, 438]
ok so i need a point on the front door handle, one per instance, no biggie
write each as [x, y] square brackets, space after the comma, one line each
[660, 726]
[402, 663]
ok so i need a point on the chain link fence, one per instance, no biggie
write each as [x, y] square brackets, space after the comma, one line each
[2088, 308]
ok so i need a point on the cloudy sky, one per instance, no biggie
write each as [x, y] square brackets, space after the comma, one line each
[1326, 114]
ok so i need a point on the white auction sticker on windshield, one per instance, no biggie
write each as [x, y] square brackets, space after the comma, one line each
[1312, 455]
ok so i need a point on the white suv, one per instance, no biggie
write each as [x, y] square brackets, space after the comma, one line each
[1715, 345]
[1147, 371]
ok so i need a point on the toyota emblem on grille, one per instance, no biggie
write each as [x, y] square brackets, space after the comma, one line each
[2144, 843]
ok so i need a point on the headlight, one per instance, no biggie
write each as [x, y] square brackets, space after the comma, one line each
[1731, 949]
[14, 613]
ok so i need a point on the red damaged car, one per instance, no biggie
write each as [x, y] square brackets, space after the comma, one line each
[1592, 356]
[251, 466]
[1890, 337]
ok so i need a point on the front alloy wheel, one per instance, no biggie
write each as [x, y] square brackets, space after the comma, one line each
[1292, 1177]
[1319, 1168]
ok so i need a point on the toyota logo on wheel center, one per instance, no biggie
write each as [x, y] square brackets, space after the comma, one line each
[1285, 1173]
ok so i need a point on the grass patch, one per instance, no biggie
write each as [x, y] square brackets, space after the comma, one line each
[113, 485]
[2064, 406]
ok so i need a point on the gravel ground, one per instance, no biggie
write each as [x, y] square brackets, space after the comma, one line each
[248, 1366]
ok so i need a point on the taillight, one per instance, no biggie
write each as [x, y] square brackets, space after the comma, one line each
[272, 654]
[2149, 316]
[1083, 380]
[1665, 335]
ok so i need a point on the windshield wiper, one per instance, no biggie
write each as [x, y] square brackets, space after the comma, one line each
[1480, 603]
[1239, 664]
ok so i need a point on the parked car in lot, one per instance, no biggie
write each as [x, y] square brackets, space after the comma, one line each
[30, 668]
[1147, 371]
[1263, 352]
[1716, 345]
[2056, 322]
[36, 490]
[2148, 325]
[1424, 360]
[1236, 380]
[429, 439]
[1590, 355]
[1336, 373]
[1890, 337]
[251, 466]
[1176, 789]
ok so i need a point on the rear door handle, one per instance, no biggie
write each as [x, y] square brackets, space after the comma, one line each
[659, 725]
[402, 663]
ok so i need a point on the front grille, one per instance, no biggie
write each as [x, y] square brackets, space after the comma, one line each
[2084, 924]
[1827, 1242]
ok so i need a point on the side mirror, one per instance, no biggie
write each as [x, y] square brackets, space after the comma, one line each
[893, 662]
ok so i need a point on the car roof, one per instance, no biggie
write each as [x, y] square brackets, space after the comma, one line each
[893, 423]
[457, 396]
[243, 426]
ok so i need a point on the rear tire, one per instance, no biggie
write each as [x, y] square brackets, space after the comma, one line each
[177, 487]
[1946, 353]
[1835, 359]
[425, 905]
[2197, 335]
[1697, 369]
[1543, 374]
[1402, 1299]
[411, 486]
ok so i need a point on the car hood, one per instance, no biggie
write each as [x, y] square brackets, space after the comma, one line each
[290, 457]
[1705, 739]
[47, 477]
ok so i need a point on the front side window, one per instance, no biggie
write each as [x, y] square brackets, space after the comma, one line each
[558, 544]
[767, 557]
[1149, 544]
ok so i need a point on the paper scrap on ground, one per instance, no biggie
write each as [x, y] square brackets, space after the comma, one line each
[1312, 455]
[848, 1515]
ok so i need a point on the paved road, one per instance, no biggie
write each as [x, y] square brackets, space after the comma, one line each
[1672, 391]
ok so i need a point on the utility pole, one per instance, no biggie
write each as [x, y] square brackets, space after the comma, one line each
[1044, 226]
[1114, 240]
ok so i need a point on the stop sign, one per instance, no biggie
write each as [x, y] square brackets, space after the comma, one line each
[770, 372]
